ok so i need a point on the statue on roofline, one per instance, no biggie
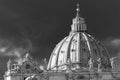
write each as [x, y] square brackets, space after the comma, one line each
[90, 63]
[112, 60]
[99, 64]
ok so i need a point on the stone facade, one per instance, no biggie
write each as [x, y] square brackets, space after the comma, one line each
[67, 76]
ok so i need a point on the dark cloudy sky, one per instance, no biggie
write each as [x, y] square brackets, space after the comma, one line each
[43, 23]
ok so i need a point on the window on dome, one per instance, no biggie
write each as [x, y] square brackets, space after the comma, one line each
[54, 54]
[62, 51]
[95, 51]
[92, 43]
[84, 49]
[73, 50]
[74, 40]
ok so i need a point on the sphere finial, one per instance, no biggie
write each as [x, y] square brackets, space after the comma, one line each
[78, 9]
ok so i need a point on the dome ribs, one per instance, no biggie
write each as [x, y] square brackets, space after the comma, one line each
[69, 48]
[59, 52]
[76, 50]
[88, 45]
[53, 53]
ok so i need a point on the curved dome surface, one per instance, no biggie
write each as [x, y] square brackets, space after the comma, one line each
[76, 50]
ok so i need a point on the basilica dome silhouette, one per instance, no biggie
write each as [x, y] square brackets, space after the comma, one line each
[78, 49]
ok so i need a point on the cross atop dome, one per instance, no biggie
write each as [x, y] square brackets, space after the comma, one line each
[78, 9]
[78, 23]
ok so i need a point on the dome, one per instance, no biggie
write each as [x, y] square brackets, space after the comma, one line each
[78, 49]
